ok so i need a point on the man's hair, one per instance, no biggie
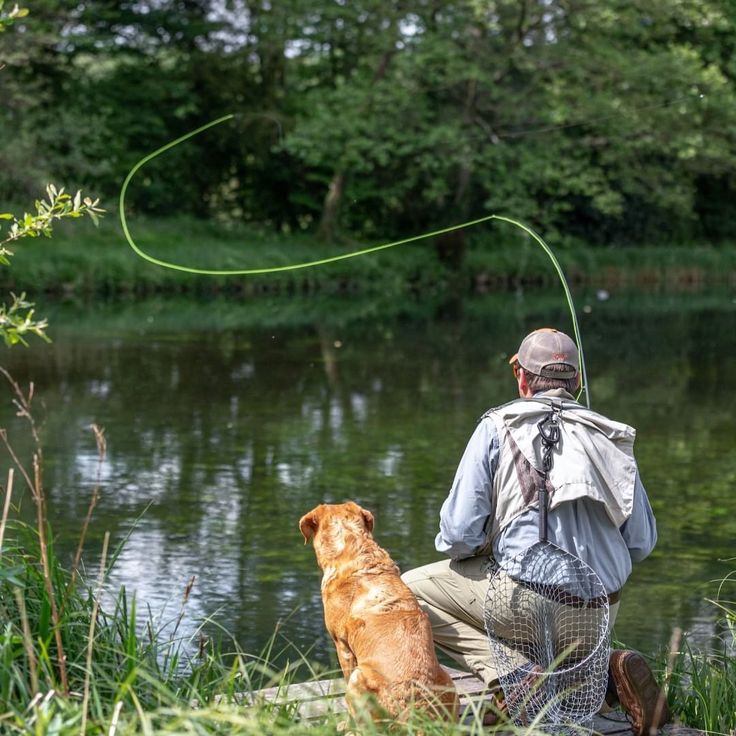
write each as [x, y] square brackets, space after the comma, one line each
[542, 383]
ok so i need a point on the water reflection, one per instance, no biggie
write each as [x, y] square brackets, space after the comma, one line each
[219, 441]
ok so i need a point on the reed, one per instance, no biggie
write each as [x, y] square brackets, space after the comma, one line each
[702, 685]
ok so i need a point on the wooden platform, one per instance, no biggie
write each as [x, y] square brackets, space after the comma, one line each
[312, 700]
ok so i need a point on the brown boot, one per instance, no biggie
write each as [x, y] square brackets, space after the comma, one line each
[638, 692]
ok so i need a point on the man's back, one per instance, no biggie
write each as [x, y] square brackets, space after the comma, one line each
[583, 529]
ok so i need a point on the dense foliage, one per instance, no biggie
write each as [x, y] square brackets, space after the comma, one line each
[609, 121]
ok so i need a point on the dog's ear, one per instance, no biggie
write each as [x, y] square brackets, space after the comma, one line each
[308, 524]
[368, 519]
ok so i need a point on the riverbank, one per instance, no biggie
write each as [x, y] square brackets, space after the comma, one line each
[82, 259]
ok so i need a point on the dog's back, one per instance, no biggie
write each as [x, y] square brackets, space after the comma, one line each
[383, 638]
[396, 662]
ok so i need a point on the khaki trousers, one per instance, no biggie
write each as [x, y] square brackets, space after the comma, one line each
[453, 593]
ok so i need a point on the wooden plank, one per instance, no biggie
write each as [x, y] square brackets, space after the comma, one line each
[316, 699]
[465, 682]
[297, 691]
[313, 709]
[614, 722]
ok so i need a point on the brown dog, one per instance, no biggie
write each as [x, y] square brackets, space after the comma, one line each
[383, 639]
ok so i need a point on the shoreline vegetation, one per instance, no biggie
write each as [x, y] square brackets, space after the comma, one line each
[86, 261]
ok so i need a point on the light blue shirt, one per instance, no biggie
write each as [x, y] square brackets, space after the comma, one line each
[580, 527]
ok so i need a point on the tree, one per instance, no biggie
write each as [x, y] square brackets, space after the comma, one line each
[574, 116]
[610, 122]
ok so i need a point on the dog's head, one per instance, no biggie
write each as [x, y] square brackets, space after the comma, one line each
[333, 526]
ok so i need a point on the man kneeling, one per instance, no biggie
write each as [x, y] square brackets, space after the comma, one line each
[599, 512]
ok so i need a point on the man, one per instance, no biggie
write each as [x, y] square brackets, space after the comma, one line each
[598, 511]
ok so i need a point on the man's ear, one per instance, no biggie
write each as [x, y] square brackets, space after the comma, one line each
[368, 519]
[524, 391]
[308, 525]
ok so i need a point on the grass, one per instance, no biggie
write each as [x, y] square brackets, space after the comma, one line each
[702, 685]
[84, 260]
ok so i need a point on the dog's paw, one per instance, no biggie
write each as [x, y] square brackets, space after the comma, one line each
[344, 728]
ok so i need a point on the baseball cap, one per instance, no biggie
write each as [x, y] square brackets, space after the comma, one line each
[547, 347]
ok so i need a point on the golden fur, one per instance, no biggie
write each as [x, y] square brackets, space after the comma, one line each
[383, 639]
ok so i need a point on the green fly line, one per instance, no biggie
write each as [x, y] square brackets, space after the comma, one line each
[342, 256]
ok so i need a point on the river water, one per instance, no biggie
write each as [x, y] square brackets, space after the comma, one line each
[226, 421]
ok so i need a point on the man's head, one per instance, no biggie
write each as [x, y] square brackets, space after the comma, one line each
[547, 359]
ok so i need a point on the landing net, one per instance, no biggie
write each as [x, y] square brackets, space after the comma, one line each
[547, 615]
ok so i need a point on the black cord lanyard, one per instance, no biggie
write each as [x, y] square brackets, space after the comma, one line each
[549, 431]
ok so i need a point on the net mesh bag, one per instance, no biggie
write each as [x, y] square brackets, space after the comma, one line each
[547, 615]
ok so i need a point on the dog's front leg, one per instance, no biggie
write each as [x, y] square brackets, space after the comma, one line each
[345, 656]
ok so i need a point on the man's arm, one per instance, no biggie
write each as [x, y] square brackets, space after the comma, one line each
[466, 513]
[640, 529]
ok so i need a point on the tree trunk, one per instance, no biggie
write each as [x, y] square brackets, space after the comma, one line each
[450, 247]
[331, 208]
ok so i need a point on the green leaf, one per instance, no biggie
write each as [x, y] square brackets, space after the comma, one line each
[6, 216]
[12, 575]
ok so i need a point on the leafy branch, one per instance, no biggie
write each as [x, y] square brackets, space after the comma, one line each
[6, 19]
[59, 205]
[17, 319]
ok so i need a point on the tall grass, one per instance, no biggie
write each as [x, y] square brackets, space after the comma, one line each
[702, 684]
